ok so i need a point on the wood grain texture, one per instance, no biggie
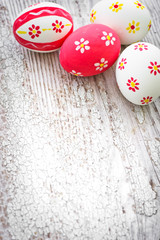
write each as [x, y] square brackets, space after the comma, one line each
[78, 161]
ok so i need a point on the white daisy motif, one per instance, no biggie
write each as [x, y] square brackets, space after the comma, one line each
[82, 45]
[101, 65]
[109, 37]
[76, 73]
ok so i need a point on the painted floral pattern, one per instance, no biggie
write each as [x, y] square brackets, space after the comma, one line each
[132, 84]
[133, 27]
[115, 7]
[149, 25]
[154, 68]
[140, 47]
[34, 31]
[122, 64]
[101, 65]
[82, 45]
[57, 26]
[139, 5]
[146, 100]
[93, 17]
[108, 37]
[76, 73]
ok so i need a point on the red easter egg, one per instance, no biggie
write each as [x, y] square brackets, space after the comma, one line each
[90, 50]
[43, 27]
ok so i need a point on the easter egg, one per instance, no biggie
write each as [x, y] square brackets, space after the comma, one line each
[130, 19]
[138, 73]
[43, 27]
[90, 50]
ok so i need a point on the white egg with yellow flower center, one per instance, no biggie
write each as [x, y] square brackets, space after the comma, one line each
[138, 73]
[43, 27]
[130, 19]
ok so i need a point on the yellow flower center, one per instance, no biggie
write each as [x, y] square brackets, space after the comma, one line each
[140, 46]
[82, 45]
[57, 26]
[33, 31]
[155, 68]
[121, 64]
[133, 84]
[146, 100]
[76, 74]
[108, 37]
[102, 64]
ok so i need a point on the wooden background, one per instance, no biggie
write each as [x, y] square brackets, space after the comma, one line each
[77, 160]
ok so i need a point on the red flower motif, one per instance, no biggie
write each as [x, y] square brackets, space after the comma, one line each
[121, 63]
[146, 100]
[58, 26]
[132, 84]
[141, 47]
[34, 31]
[154, 68]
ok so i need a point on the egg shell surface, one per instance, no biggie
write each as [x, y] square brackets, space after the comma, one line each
[138, 73]
[90, 50]
[130, 19]
[43, 27]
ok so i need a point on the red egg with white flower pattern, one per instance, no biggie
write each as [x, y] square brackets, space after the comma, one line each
[43, 27]
[90, 50]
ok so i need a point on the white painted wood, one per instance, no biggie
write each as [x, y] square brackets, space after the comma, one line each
[77, 160]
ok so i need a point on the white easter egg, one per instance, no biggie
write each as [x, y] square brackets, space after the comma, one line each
[138, 73]
[43, 27]
[130, 19]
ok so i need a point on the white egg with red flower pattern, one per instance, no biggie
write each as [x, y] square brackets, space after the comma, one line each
[90, 50]
[43, 27]
[130, 19]
[138, 73]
